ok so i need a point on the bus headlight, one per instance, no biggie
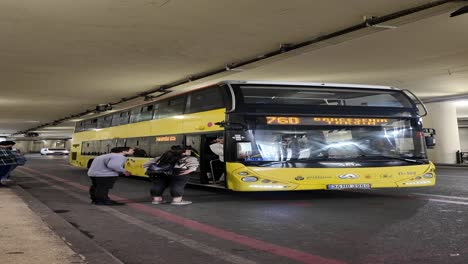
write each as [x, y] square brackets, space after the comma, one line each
[249, 179]
[243, 173]
[428, 175]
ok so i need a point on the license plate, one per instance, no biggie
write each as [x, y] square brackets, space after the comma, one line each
[348, 186]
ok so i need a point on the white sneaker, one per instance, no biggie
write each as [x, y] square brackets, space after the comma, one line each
[183, 202]
[7, 181]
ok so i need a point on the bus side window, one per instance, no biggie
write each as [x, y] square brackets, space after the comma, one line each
[115, 119]
[204, 100]
[172, 107]
[105, 121]
[106, 146]
[90, 124]
[146, 113]
[156, 111]
[123, 118]
[135, 115]
[159, 109]
[79, 126]
[140, 145]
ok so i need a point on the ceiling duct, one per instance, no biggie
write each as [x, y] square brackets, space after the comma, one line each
[31, 134]
[460, 11]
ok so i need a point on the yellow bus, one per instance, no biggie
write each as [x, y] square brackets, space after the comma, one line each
[277, 136]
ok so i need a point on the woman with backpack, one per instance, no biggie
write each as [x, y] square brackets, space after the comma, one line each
[172, 169]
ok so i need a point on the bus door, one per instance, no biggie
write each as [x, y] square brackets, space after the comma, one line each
[214, 166]
[201, 143]
[194, 142]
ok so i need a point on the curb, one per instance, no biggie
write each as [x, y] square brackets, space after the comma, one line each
[451, 165]
[89, 250]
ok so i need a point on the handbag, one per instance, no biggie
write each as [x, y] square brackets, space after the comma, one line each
[156, 170]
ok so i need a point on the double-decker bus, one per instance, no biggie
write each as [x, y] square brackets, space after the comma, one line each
[277, 136]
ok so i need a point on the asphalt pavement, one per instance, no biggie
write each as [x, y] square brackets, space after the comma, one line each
[416, 225]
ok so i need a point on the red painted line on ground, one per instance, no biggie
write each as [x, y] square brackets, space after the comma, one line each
[213, 231]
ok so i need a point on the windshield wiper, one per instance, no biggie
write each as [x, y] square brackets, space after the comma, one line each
[392, 157]
[293, 162]
[278, 162]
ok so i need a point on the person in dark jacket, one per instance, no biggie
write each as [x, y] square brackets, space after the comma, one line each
[7, 161]
[183, 165]
[104, 172]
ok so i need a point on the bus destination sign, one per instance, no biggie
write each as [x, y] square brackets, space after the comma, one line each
[166, 139]
[327, 121]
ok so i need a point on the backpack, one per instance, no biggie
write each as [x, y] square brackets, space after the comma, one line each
[158, 168]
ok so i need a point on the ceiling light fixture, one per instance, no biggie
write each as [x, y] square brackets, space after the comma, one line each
[370, 23]
[461, 102]
[149, 98]
[103, 107]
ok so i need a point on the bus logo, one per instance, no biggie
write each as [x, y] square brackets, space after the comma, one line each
[348, 176]
[299, 178]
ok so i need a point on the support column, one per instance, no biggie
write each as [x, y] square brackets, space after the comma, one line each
[443, 117]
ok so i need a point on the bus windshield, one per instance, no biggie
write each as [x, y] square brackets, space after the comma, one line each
[397, 140]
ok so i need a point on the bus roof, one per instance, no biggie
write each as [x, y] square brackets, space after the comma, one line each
[335, 85]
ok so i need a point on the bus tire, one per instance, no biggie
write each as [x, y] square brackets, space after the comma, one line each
[89, 163]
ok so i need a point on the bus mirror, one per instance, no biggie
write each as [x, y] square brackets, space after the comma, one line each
[221, 124]
[430, 141]
[429, 137]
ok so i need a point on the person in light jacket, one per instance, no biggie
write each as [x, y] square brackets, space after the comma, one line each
[104, 172]
[184, 166]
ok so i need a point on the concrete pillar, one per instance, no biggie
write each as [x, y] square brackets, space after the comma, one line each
[443, 117]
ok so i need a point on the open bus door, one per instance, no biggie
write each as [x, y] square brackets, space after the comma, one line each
[211, 168]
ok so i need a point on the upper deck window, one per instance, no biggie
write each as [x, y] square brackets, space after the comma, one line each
[205, 100]
[310, 95]
[171, 107]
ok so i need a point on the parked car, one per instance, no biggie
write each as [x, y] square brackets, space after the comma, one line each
[54, 151]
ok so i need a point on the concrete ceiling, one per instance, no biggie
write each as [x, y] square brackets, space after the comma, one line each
[62, 57]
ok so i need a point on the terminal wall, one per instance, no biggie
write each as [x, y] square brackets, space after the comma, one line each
[443, 117]
[34, 146]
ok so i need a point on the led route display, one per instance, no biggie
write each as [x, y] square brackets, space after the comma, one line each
[327, 121]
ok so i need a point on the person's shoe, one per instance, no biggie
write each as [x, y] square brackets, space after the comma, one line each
[7, 182]
[109, 203]
[183, 202]
[116, 203]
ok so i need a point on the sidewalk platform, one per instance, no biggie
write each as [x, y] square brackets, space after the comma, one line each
[31, 233]
[25, 238]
